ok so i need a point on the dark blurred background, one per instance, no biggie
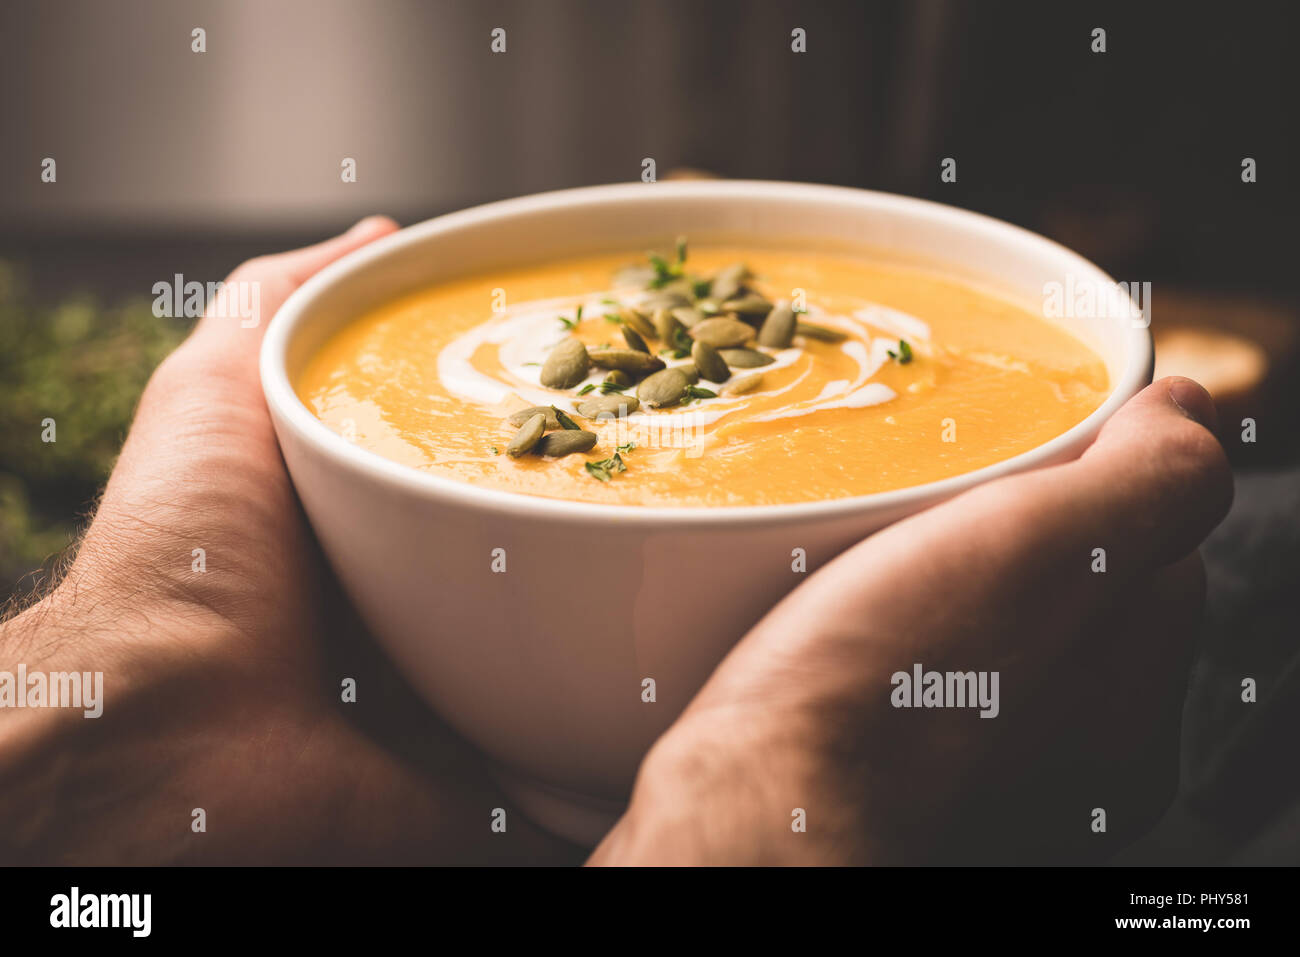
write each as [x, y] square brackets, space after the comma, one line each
[170, 161]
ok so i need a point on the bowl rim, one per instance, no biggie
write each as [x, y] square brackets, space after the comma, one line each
[291, 413]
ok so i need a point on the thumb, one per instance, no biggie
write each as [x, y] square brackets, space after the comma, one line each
[1151, 487]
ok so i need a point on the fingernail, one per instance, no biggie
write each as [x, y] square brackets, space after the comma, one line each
[1194, 402]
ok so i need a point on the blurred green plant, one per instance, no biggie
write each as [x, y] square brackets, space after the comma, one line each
[83, 366]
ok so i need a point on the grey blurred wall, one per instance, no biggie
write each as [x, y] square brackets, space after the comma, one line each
[148, 134]
[1133, 157]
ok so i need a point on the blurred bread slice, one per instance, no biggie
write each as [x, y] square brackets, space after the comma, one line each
[689, 172]
[1244, 351]
[1231, 367]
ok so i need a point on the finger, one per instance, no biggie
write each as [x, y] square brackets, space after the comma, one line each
[1158, 475]
[232, 328]
[213, 377]
[301, 264]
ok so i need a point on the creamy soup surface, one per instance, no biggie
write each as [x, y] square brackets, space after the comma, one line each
[912, 377]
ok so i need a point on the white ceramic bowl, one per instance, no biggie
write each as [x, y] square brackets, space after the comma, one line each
[541, 666]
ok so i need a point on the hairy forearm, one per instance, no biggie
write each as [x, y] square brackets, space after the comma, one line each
[76, 706]
[32, 734]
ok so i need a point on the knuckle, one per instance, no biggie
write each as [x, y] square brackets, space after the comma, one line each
[174, 370]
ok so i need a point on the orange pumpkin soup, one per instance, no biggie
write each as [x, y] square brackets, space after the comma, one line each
[726, 377]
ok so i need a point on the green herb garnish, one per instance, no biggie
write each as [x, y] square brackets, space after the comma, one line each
[607, 387]
[626, 448]
[680, 347]
[904, 353]
[562, 417]
[695, 392]
[666, 272]
[611, 317]
[586, 388]
[663, 272]
[606, 468]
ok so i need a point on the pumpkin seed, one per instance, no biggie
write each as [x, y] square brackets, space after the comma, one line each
[687, 316]
[722, 332]
[634, 275]
[566, 365]
[728, 282]
[663, 388]
[521, 417]
[628, 360]
[565, 442]
[617, 379]
[744, 384]
[666, 325]
[707, 306]
[679, 287]
[709, 362]
[745, 358]
[690, 371]
[665, 300]
[751, 304]
[614, 405]
[634, 340]
[527, 436]
[635, 320]
[777, 331]
[810, 331]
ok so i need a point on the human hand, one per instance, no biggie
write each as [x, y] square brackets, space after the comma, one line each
[223, 687]
[1001, 579]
